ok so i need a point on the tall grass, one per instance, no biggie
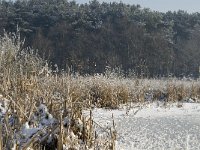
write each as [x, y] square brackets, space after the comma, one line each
[41, 109]
[28, 85]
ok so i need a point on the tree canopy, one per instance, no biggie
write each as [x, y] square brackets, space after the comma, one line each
[90, 37]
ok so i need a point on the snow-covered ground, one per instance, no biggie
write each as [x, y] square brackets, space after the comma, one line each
[152, 126]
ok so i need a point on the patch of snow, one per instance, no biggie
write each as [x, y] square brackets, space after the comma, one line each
[3, 106]
[154, 126]
[27, 131]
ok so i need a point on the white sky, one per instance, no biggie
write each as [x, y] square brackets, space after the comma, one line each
[161, 5]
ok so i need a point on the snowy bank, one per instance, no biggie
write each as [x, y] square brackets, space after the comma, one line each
[153, 126]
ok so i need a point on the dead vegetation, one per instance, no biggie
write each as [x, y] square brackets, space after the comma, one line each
[42, 109]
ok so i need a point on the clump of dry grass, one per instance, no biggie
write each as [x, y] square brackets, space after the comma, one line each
[40, 109]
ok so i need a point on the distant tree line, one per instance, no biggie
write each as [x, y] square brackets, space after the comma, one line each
[90, 37]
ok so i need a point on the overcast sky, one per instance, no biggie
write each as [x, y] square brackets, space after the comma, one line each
[161, 5]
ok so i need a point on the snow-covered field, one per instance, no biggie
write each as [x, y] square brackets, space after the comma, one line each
[153, 126]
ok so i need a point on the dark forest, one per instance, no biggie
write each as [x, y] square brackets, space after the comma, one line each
[89, 38]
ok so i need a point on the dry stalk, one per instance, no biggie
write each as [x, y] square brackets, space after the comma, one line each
[60, 138]
[1, 137]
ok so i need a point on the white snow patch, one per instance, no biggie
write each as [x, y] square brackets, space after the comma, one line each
[154, 126]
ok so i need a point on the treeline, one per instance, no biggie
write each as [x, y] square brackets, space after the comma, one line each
[90, 37]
